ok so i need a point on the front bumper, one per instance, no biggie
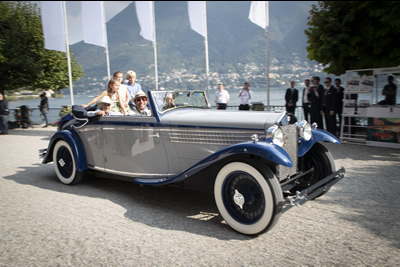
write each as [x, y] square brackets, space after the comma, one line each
[313, 191]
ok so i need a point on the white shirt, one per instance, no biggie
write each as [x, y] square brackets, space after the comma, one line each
[222, 96]
[245, 96]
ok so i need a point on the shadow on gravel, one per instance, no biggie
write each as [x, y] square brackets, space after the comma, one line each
[166, 207]
[370, 188]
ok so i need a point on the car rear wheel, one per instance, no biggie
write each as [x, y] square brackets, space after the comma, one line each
[321, 160]
[247, 199]
[64, 164]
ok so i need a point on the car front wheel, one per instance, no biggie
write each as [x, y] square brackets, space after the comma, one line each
[321, 161]
[64, 164]
[247, 199]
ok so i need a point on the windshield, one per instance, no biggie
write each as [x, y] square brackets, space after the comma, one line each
[168, 100]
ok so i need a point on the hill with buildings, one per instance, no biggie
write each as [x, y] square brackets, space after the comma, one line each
[237, 47]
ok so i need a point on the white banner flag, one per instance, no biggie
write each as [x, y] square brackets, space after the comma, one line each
[144, 12]
[259, 13]
[196, 16]
[53, 25]
[93, 23]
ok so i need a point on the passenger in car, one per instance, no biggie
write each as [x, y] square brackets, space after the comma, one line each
[169, 102]
[141, 104]
[112, 92]
[103, 108]
[123, 91]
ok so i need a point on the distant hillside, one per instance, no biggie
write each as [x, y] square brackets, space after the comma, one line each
[232, 38]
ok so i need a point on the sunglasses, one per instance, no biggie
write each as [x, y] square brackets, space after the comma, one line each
[141, 99]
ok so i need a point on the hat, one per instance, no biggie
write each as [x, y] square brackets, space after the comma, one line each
[105, 99]
[140, 93]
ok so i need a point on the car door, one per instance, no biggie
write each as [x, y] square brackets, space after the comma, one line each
[133, 147]
[93, 143]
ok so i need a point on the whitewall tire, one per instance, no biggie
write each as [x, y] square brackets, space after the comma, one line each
[65, 165]
[246, 198]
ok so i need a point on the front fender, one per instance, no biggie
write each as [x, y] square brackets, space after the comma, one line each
[262, 149]
[317, 135]
[76, 146]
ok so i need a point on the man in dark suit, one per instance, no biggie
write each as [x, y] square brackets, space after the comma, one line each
[291, 98]
[306, 100]
[317, 96]
[329, 105]
[339, 100]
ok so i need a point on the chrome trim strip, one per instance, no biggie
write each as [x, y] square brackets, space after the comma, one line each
[132, 174]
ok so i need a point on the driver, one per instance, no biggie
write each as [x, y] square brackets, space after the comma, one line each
[169, 102]
[141, 104]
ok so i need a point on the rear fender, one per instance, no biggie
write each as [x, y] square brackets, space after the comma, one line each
[317, 135]
[76, 146]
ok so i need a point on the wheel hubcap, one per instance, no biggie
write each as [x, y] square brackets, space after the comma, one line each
[61, 162]
[238, 199]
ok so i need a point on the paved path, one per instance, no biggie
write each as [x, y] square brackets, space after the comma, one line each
[111, 223]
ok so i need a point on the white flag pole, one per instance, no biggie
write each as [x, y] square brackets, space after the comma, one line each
[154, 44]
[266, 40]
[105, 40]
[71, 90]
[206, 45]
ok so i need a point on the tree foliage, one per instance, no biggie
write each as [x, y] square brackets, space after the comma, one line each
[344, 35]
[23, 60]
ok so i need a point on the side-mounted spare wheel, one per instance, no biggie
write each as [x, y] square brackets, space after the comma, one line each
[247, 198]
[64, 164]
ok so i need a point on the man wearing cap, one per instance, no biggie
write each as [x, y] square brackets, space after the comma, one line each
[141, 104]
[103, 108]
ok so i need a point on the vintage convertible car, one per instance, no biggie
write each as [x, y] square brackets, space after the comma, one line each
[257, 163]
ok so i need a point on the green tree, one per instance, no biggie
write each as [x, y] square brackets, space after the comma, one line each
[23, 59]
[345, 35]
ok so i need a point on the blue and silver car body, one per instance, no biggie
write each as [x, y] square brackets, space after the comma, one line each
[249, 155]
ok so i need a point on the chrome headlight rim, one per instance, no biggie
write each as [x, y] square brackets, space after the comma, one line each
[305, 130]
[275, 135]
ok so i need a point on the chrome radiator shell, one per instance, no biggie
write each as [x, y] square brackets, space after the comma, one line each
[290, 145]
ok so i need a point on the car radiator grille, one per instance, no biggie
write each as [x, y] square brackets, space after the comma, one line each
[210, 137]
[291, 147]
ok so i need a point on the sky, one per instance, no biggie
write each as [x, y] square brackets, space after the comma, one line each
[74, 19]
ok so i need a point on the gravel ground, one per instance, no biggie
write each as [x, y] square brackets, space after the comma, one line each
[102, 222]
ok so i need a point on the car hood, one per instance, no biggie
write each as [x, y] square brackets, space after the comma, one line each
[222, 118]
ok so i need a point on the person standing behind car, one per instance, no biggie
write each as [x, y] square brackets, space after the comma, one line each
[306, 100]
[44, 108]
[221, 97]
[339, 100]
[317, 96]
[291, 98]
[330, 106]
[4, 112]
[245, 95]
